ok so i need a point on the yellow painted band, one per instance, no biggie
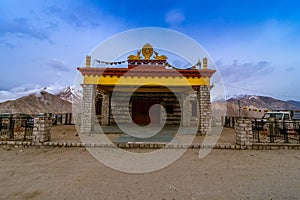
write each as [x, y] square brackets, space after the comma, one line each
[149, 81]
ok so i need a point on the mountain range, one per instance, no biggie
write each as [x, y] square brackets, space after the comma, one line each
[39, 102]
[61, 102]
[256, 103]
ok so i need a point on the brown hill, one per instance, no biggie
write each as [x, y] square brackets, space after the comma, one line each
[259, 102]
[61, 103]
[38, 103]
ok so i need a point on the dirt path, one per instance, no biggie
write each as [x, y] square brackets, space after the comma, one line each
[72, 173]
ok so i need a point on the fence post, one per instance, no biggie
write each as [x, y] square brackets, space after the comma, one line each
[0, 124]
[70, 118]
[285, 132]
[227, 121]
[28, 128]
[243, 133]
[273, 128]
[258, 128]
[11, 127]
[297, 128]
[63, 119]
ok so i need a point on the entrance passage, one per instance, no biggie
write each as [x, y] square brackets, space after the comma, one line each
[141, 111]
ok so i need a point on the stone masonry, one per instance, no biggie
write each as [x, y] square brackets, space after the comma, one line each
[121, 106]
[243, 133]
[120, 102]
[88, 115]
[186, 110]
[42, 128]
[105, 108]
[203, 96]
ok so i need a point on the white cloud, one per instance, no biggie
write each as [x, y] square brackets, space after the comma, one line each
[26, 90]
[59, 65]
[174, 17]
[25, 34]
[244, 71]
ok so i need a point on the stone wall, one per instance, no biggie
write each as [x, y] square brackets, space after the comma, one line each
[243, 133]
[169, 100]
[194, 119]
[88, 115]
[106, 97]
[42, 128]
[186, 109]
[121, 106]
[121, 109]
[203, 96]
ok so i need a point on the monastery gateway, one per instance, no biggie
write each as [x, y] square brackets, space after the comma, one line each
[127, 95]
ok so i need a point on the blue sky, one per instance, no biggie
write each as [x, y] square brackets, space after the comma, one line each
[255, 44]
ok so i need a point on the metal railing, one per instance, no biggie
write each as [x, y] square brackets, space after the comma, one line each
[275, 131]
[229, 121]
[16, 128]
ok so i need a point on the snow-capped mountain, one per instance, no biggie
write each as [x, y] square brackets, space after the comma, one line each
[69, 94]
[42, 102]
[51, 99]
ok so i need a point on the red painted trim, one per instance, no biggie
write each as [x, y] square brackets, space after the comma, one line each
[148, 71]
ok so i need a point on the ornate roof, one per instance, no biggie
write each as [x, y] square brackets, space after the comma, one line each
[151, 66]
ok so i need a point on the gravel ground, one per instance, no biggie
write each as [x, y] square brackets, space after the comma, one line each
[68, 133]
[72, 173]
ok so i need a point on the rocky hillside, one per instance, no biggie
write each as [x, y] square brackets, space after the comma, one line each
[259, 102]
[69, 94]
[37, 103]
[295, 103]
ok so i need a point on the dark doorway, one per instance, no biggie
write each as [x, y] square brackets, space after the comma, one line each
[98, 106]
[140, 111]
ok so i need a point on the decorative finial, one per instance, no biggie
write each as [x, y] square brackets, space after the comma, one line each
[204, 63]
[88, 61]
[135, 57]
[147, 51]
[159, 57]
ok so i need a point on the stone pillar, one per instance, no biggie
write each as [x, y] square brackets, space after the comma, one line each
[88, 114]
[42, 128]
[186, 110]
[203, 96]
[243, 133]
[105, 115]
